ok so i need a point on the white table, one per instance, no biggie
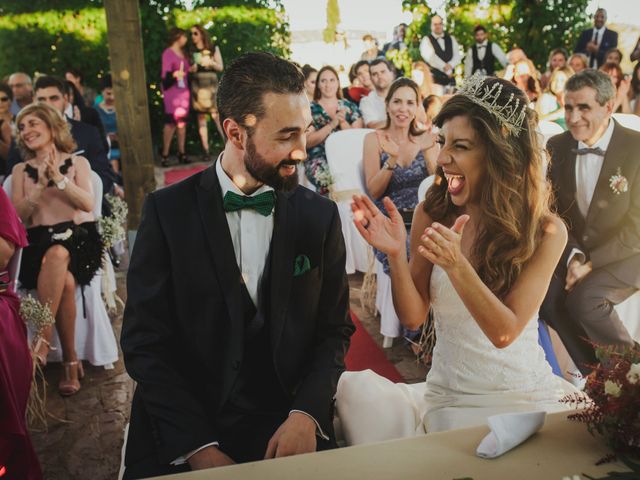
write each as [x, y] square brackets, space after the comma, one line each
[562, 448]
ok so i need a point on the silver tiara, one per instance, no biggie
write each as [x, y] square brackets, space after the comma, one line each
[511, 115]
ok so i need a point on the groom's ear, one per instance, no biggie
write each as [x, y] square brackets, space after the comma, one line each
[235, 133]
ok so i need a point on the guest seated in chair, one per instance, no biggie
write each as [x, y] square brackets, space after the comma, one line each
[396, 159]
[53, 194]
[16, 451]
[484, 245]
[595, 172]
[329, 112]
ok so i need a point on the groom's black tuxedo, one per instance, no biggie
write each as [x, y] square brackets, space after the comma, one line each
[189, 334]
[609, 236]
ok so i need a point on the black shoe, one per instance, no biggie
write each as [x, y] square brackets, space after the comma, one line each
[164, 160]
[182, 158]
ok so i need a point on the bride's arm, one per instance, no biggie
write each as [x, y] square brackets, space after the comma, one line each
[501, 321]
[410, 281]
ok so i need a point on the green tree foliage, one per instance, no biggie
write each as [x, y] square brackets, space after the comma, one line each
[333, 20]
[49, 41]
[536, 26]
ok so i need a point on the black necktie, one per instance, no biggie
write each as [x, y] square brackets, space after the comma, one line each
[587, 150]
[594, 60]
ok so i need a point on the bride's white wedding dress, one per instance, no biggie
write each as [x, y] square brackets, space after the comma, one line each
[470, 380]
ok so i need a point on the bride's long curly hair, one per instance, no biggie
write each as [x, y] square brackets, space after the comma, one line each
[515, 196]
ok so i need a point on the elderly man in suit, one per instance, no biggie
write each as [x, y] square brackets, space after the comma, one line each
[595, 172]
[597, 41]
[237, 321]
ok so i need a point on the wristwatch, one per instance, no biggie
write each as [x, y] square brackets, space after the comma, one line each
[387, 166]
[62, 184]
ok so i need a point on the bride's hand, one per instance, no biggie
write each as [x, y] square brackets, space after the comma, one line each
[441, 245]
[387, 234]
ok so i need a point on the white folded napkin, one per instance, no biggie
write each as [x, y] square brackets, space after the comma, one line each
[509, 430]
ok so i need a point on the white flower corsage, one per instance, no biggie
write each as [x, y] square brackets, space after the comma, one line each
[619, 183]
[66, 235]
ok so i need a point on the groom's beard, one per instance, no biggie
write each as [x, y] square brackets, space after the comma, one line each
[259, 169]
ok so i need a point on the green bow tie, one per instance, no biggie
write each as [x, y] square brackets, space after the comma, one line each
[262, 203]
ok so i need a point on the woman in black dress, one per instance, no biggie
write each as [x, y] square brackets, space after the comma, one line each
[206, 62]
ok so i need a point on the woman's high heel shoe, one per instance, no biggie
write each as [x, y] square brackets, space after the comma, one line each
[41, 351]
[69, 386]
[182, 158]
[164, 160]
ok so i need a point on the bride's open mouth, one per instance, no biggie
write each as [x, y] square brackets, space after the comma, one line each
[456, 182]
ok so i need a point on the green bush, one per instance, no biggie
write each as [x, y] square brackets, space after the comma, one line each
[50, 41]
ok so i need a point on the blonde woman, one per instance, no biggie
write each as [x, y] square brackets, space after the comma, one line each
[53, 195]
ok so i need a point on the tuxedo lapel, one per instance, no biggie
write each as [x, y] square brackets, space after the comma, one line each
[216, 230]
[567, 169]
[613, 159]
[283, 243]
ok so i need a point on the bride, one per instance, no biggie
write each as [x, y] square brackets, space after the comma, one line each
[484, 246]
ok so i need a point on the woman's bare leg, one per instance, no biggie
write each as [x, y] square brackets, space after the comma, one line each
[203, 131]
[66, 319]
[167, 134]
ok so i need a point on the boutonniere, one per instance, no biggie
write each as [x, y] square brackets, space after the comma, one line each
[619, 183]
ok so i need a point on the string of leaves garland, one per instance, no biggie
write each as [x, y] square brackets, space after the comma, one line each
[612, 409]
[40, 317]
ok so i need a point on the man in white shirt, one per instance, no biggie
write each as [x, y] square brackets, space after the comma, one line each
[441, 51]
[597, 41]
[483, 54]
[595, 173]
[374, 111]
[237, 320]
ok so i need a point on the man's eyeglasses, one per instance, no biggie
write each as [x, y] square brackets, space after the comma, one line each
[17, 85]
[4, 99]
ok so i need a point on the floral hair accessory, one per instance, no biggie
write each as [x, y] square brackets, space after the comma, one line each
[619, 183]
[510, 115]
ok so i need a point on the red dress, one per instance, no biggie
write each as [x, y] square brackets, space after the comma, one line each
[16, 451]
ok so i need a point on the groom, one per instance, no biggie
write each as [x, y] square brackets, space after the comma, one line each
[595, 172]
[237, 322]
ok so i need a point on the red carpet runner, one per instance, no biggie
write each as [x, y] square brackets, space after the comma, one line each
[365, 353]
[178, 174]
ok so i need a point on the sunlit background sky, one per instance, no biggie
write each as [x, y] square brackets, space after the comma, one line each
[307, 19]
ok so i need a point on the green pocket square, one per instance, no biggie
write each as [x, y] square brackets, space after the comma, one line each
[301, 265]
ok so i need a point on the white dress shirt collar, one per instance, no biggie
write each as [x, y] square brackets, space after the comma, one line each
[603, 141]
[483, 44]
[226, 184]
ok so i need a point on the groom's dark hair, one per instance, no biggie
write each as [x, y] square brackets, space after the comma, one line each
[246, 81]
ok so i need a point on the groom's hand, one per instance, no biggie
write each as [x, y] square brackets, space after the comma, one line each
[209, 457]
[576, 271]
[296, 435]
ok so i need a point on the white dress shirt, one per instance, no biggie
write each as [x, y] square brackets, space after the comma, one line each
[596, 37]
[429, 54]
[251, 235]
[482, 50]
[588, 168]
[373, 108]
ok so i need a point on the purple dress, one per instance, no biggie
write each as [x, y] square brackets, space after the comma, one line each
[175, 92]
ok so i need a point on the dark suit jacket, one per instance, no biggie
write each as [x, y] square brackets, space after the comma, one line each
[182, 334]
[88, 139]
[609, 40]
[610, 235]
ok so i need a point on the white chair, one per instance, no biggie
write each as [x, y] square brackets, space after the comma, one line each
[424, 186]
[628, 120]
[344, 156]
[549, 129]
[95, 340]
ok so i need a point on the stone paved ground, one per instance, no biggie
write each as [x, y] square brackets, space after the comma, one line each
[85, 432]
